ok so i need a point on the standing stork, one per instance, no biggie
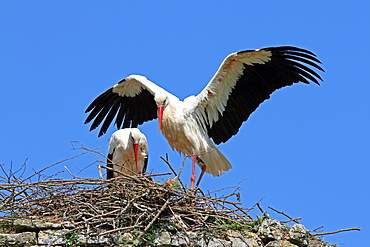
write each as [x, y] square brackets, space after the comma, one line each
[127, 152]
[243, 81]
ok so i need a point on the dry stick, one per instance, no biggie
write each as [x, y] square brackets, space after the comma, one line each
[256, 203]
[342, 230]
[295, 220]
[70, 173]
[237, 187]
[7, 176]
[122, 174]
[84, 203]
[52, 166]
[157, 175]
[291, 219]
[181, 168]
[314, 230]
[100, 172]
[23, 166]
[154, 219]
[219, 190]
[241, 209]
[181, 224]
[260, 208]
[96, 153]
[93, 151]
[181, 209]
[176, 176]
[232, 194]
[217, 201]
[51, 183]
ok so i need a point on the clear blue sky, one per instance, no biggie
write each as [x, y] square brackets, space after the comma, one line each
[305, 150]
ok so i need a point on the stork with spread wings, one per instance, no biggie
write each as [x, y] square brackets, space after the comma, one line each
[244, 80]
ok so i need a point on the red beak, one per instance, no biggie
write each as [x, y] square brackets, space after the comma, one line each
[160, 115]
[136, 152]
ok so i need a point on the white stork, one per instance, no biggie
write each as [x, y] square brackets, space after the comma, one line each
[127, 152]
[243, 81]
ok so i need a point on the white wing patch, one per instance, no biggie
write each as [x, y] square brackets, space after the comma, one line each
[213, 99]
[134, 84]
[254, 57]
[127, 89]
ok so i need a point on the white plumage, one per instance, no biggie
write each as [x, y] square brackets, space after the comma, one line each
[244, 80]
[127, 152]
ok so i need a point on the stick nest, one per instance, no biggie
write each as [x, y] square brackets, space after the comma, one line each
[122, 204]
[125, 204]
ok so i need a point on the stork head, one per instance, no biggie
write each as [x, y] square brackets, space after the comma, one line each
[162, 102]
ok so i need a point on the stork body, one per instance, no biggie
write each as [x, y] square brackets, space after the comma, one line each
[127, 152]
[184, 134]
[244, 80]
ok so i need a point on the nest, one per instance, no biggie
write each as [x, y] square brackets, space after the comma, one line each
[123, 204]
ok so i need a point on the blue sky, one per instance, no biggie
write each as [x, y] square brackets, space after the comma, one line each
[305, 151]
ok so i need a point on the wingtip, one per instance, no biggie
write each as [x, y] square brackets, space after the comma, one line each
[89, 108]
[101, 132]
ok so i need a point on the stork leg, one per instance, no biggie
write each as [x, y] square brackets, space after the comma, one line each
[204, 168]
[193, 175]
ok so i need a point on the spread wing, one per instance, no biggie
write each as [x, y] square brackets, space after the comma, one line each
[130, 102]
[244, 80]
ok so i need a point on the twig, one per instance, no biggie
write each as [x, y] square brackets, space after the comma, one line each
[100, 172]
[154, 219]
[181, 168]
[342, 230]
[70, 173]
[169, 164]
[38, 172]
[156, 175]
[121, 174]
[173, 171]
[260, 208]
[295, 220]
[318, 228]
[290, 218]
[257, 203]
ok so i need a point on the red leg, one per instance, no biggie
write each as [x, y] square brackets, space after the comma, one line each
[204, 168]
[193, 175]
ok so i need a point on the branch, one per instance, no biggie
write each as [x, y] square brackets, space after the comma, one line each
[342, 230]
[290, 218]
[154, 219]
[176, 176]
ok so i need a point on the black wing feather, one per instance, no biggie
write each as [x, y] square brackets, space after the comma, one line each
[96, 106]
[110, 165]
[112, 113]
[288, 65]
[145, 164]
[103, 113]
[127, 111]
